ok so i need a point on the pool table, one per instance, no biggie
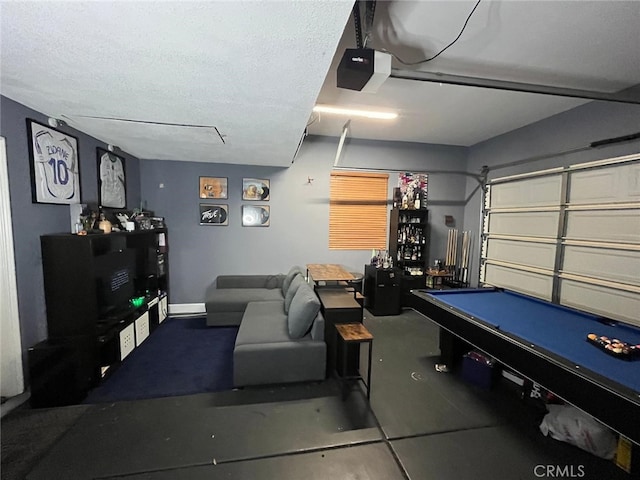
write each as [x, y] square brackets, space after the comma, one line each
[547, 344]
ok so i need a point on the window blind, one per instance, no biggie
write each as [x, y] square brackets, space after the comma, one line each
[358, 211]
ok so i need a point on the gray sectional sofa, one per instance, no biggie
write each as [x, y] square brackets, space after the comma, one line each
[281, 330]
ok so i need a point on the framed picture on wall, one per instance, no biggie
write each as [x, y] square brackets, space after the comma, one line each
[112, 182]
[213, 187]
[255, 189]
[54, 165]
[214, 214]
[413, 187]
[256, 215]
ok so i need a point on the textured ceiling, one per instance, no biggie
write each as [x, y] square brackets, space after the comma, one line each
[235, 81]
[572, 44]
[251, 70]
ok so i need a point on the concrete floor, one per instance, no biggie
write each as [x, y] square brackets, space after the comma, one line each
[418, 425]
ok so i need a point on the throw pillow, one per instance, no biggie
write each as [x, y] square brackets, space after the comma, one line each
[289, 277]
[293, 288]
[273, 281]
[302, 312]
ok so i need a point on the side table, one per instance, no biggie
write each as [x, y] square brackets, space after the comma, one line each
[435, 279]
[350, 334]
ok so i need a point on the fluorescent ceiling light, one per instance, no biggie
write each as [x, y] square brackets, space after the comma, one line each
[355, 113]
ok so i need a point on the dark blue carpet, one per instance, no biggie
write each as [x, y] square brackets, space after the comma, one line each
[181, 357]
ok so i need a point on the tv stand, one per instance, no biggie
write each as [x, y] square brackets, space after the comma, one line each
[83, 343]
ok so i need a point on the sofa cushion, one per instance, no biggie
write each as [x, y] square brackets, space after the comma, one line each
[286, 283]
[293, 288]
[249, 281]
[303, 310]
[236, 299]
[262, 323]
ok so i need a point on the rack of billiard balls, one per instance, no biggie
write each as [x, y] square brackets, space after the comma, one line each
[615, 347]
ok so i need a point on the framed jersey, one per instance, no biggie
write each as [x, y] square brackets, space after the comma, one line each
[55, 166]
[112, 185]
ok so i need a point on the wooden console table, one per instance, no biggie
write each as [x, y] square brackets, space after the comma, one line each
[328, 272]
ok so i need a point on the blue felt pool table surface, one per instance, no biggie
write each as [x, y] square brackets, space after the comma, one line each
[560, 330]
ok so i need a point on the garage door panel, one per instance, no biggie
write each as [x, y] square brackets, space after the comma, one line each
[610, 303]
[603, 263]
[604, 225]
[528, 224]
[617, 184]
[534, 192]
[541, 255]
[529, 283]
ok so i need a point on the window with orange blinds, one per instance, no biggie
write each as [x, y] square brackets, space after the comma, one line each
[358, 211]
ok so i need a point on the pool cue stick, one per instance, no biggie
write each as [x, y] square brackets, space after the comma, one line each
[468, 254]
[446, 257]
[465, 252]
[465, 248]
[455, 248]
[452, 258]
[459, 255]
[462, 245]
[450, 247]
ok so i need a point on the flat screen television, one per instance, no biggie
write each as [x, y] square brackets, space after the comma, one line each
[115, 282]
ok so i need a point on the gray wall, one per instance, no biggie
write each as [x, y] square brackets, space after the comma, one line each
[30, 220]
[298, 233]
[564, 132]
[299, 225]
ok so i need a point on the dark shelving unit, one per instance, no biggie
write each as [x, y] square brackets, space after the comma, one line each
[88, 337]
[409, 246]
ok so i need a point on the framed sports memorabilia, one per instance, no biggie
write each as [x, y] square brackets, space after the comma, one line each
[54, 165]
[112, 182]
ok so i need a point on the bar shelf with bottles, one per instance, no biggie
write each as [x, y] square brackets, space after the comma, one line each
[409, 244]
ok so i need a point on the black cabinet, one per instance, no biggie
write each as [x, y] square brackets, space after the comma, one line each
[409, 245]
[104, 295]
[60, 371]
[382, 289]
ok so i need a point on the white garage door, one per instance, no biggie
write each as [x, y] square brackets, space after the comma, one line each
[568, 235]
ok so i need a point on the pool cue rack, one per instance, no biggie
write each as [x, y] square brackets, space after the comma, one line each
[457, 258]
